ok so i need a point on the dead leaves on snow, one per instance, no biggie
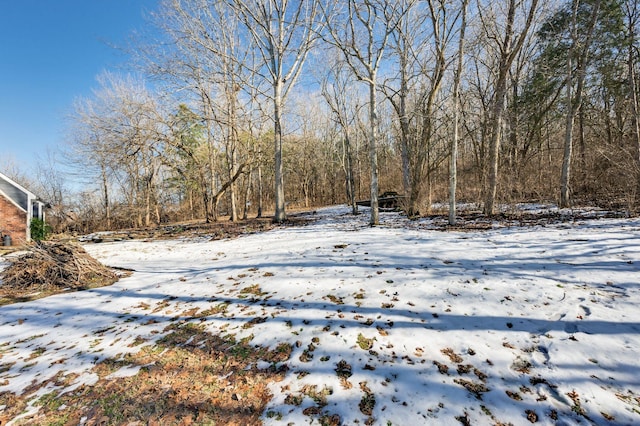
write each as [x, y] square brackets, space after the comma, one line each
[455, 358]
[319, 398]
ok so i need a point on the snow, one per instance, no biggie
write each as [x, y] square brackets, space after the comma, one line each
[547, 313]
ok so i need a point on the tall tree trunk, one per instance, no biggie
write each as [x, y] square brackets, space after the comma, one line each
[205, 194]
[260, 192]
[453, 165]
[403, 118]
[233, 213]
[105, 198]
[232, 146]
[574, 105]
[157, 212]
[280, 215]
[351, 185]
[568, 138]
[191, 205]
[634, 111]
[373, 154]
[232, 188]
[214, 207]
[149, 195]
[147, 203]
[633, 90]
[247, 192]
[210, 207]
[509, 48]
[582, 143]
[494, 144]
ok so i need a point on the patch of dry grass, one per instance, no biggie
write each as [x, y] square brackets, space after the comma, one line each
[189, 377]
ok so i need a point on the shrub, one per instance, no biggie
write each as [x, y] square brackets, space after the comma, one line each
[39, 229]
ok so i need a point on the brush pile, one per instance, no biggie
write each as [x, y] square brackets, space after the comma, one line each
[53, 267]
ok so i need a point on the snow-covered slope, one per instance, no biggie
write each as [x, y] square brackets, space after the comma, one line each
[392, 325]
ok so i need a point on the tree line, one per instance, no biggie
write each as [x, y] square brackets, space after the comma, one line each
[242, 107]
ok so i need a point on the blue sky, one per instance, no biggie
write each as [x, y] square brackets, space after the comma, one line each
[50, 53]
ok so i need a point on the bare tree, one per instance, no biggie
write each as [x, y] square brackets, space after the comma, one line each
[632, 12]
[508, 44]
[116, 132]
[578, 52]
[337, 90]
[361, 31]
[209, 66]
[283, 32]
[421, 48]
[407, 44]
[12, 169]
[88, 148]
[52, 186]
[453, 168]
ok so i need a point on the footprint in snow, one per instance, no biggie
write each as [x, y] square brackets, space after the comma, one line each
[541, 354]
[585, 311]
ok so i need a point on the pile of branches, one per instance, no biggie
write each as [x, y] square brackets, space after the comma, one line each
[54, 266]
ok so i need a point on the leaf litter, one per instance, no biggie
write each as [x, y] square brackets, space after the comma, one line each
[364, 325]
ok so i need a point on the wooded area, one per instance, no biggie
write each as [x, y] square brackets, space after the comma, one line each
[238, 108]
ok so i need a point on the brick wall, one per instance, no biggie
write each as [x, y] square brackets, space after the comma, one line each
[13, 221]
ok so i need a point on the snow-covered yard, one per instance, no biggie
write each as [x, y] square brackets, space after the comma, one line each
[388, 325]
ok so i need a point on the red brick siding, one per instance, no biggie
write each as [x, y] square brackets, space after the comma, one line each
[13, 221]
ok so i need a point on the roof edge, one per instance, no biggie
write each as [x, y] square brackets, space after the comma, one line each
[12, 201]
[17, 185]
